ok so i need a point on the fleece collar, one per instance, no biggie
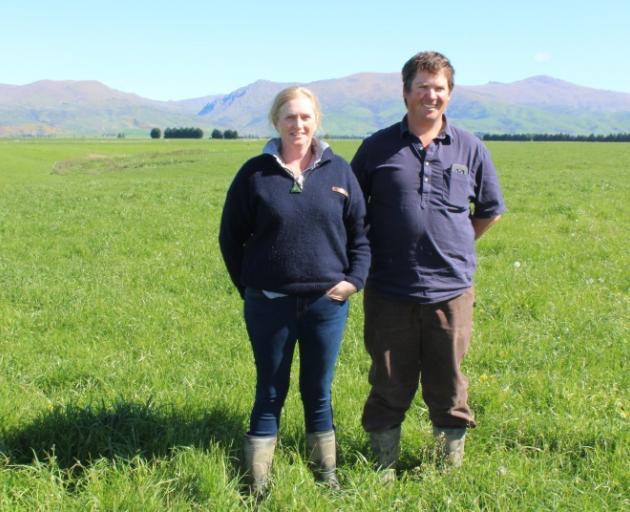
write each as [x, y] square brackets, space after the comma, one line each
[273, 147]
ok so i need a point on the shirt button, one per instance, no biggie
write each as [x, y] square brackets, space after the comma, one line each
[426, 179]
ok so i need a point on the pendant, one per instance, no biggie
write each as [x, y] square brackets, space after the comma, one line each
[296, 188]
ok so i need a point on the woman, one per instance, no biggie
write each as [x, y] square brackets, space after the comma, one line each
[293, 238]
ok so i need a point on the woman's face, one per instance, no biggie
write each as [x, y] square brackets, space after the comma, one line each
[297, 122]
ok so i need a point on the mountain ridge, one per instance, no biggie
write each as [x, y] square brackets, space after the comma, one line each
[354, 105]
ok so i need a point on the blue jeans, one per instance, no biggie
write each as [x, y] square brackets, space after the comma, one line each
[274, 326]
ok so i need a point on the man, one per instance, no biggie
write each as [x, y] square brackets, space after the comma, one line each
[431, 190]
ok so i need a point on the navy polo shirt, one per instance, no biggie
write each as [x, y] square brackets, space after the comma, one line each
[420, 201]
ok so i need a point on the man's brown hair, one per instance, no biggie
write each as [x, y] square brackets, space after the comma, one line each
[433, 62]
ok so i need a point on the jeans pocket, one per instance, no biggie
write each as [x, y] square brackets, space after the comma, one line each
[335, 301]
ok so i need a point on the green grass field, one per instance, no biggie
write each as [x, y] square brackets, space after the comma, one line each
[126, 376]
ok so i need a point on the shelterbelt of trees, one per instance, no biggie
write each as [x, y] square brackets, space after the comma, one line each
[611, 137]
[191, 133]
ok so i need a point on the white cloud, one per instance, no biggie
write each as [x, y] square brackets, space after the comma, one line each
[543, 57]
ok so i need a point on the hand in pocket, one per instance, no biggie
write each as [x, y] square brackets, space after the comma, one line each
[341, 291]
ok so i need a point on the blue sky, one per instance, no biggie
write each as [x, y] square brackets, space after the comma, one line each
[184, 49]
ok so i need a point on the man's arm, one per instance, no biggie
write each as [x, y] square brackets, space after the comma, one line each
[481, 225]
[488, 204]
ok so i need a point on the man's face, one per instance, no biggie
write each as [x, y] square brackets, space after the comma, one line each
[428, 97]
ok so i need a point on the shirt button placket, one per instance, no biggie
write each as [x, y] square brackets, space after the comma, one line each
[427, 182]
[423, 184]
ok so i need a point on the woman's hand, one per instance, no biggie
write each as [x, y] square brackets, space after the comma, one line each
[341, 291]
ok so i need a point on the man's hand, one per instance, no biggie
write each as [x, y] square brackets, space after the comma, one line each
[341, 291]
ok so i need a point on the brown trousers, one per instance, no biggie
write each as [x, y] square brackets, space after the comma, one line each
[411, 343]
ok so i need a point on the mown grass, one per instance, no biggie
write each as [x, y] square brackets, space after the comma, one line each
[126, 376]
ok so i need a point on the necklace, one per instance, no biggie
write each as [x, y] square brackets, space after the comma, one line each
[298, 184]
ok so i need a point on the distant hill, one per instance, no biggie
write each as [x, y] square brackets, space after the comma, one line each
[354, 105]
[540, 104]
[362, 103]
[72, 107]
[194, 105]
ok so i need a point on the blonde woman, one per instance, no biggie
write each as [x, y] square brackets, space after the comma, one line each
[293, 237]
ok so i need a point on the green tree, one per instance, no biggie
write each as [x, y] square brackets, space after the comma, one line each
[217, 134]
[156, 133]
[183, 133]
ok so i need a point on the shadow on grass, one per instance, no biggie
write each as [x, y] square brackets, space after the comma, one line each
[120, 431]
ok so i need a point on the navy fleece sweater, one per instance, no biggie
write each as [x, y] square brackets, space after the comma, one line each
[294, 243]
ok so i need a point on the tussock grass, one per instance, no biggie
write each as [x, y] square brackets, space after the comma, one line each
[126, 377]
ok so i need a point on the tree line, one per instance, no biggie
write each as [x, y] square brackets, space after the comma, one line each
[227, 134]
[611, 137]
[197, 133]
[191, 133]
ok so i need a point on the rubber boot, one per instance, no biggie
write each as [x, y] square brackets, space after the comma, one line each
[322, 455]
[386, 449]
[258, 455]
[450, 446]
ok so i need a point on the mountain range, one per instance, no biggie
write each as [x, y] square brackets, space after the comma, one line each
[355, 105]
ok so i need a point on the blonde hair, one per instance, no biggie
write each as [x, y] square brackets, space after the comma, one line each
[291, 93]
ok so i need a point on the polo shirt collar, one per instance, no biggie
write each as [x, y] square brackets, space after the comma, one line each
[445, 135]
